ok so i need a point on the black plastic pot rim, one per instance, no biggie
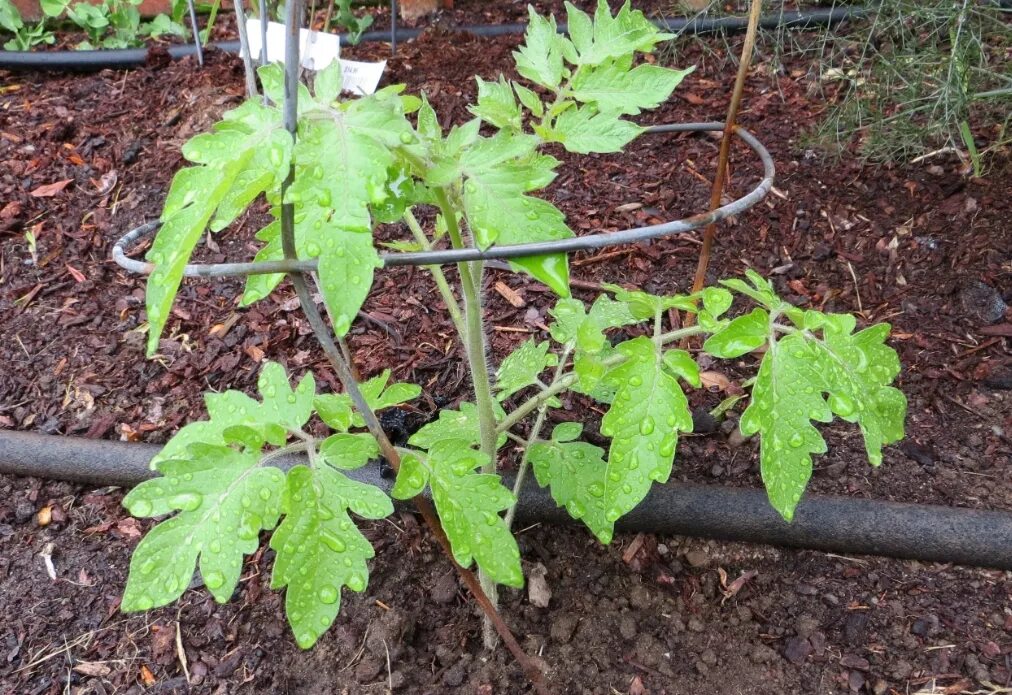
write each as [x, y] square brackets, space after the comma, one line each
[124, 58]
[439, 257]
[831, 524]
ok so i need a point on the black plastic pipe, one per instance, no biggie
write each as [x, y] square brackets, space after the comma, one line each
[833, 524]
[120, 59]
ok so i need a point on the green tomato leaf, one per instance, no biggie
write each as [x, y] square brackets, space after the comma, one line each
[347, 263]
[614, 88]
[412, 478]
[246, 154]
[379, 396]
[789, 392]
[611, 37]
[540, 58]
[336, 410]
[521, 367]
[644, 420]
[282, 405]
[319, 548]
[586, 130]
[496, 104]
[282, 409]
[743, 335]
[349, 451]
[468, 504]
[224, 499]
[460, 425]
[529, 99]
[681, 364]
[575, 472]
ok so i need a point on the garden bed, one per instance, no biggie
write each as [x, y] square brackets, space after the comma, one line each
[919, 246]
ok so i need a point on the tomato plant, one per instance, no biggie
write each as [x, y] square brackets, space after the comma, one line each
[377, 160]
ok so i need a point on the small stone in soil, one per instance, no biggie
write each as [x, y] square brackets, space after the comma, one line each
[703, 422]
[445, 590]
[697, 558]
[562, 627]
[855, 627]
[982, 303]
[797, 650]
[368, 669]
[627, 627]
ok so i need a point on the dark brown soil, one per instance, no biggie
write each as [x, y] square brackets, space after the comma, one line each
[919, 245]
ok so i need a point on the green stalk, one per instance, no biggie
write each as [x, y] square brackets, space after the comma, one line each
[437, 274]
[539, 422]
[474, 341]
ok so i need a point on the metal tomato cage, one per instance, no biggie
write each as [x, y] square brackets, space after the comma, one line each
[445, 256]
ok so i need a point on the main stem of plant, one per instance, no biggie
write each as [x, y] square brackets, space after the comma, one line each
[717, 190]
[474, 343]
[343, 371]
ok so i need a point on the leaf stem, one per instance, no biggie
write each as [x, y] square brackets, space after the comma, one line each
[539, 422]
[437, 274]
[567, 380]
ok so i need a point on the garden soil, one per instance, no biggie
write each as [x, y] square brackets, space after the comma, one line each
[84, 158]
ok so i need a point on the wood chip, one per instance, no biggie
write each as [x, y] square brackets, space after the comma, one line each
[510, 295]
[48, 190]
[94, 669]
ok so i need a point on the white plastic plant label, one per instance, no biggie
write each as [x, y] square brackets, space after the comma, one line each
[361, 78]
[317, 50]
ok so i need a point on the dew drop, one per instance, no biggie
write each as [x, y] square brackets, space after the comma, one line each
[842, 405]
[147, 567]
[613, 514]
[214, 579]
[214, 546]
[596, 489]
[332, 541]
[265, 493]
[796, 440]
[141, 508]
[144, 603]
[407, 138]
[647, 426]
[575, 509]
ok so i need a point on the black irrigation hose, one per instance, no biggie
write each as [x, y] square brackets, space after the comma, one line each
[120, 59]
[833, 524]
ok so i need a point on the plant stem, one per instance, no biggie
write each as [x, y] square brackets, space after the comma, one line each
[568, 380]
[344, 374]
[539, 422]
[725, 148]
[474, 339]
[437, 274]
[474, 342]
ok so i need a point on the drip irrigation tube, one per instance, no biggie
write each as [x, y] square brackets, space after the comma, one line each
[833, 524]
[120, 59]
[581, 243]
